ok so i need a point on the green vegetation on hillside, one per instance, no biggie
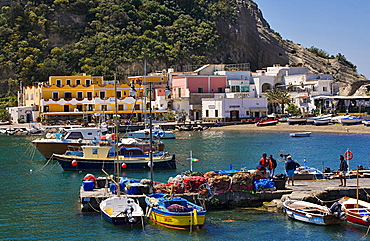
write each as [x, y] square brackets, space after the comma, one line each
[41, 38]
[325, 55]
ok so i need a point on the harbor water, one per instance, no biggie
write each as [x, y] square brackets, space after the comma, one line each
[41, 203]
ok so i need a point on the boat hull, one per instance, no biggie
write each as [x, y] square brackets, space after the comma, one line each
[315, 214]
[190, 216]
[132, 164]
[357, 211]
[267, 123]
[301, 134]
[120, 221]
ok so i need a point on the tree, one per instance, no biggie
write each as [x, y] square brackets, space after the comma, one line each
[293, 110]
[278, 96]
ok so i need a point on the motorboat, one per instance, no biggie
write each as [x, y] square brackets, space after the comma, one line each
[311, 213]
[300, 134]
[157, 132]
[121, 210]
[174, 212]
[307, 173]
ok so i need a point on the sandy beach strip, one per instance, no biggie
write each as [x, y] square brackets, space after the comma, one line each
[285, 127]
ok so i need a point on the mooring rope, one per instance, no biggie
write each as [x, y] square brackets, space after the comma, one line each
[45, 164]
[322, 201]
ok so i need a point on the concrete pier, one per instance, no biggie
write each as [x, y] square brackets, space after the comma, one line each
[321, 192]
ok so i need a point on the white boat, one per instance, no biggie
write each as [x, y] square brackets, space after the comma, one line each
[300, 134]
[74, 137]
[356, 211]
[307, 173]
[157, 132]
[352, 120]
[121, 210]
[310, 213]
[321, 122]
[297, 120]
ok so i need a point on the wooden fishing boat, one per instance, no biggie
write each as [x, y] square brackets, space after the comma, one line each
[310, 213]
[297, 121]
[356, 211]
[300, 134]
[121, 211]
[95, 158]
[352, 120]
[174, 212]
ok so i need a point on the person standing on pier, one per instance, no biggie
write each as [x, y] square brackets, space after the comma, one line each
[290, 167]
[272, 165]
[264, 161]
[343, 166]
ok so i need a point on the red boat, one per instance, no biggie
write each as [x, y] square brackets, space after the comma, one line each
[357, 211]
[267, 122]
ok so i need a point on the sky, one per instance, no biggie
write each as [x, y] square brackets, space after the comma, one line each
[335, 26]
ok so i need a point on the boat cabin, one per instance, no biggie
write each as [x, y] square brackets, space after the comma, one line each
[95, 152]
[84, 133]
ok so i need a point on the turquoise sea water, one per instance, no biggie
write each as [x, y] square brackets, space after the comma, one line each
[44, 205]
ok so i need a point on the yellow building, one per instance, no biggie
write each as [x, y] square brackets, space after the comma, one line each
[71, 97]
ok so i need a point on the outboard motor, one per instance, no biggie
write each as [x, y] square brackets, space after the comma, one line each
[336, 210]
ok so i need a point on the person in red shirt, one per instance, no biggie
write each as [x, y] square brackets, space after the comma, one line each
[264, 161]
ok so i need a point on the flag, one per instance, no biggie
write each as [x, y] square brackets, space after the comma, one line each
[194, 160]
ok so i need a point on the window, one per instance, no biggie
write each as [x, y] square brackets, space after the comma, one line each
[90, 107]
[78, 81]
[31, 97]
[46, 108]
[244, 88]
[79, 95]
[88, 82]
[120, 107]
[95, 151]
[137, 107]
[66, 108]
[104, 107]
[219, 90]
[216, 113]
[247, 113]
[68, 82]
[235, 88]
[26, 96]
[102, 94]
[207, 113]
[179, 92]
[67, 95]
[200, 90]
[89, 95]
[59, 83]
[75, 135]
[324, 88]
[55, 95]
[79, 107]
[119, 94]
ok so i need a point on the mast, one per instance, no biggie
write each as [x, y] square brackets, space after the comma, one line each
[151, 139]
[116, 136]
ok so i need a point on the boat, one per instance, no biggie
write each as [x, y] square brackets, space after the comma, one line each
[352, 120]
[103, 156]
[121, 210]
[321, 122]
[174, 212]
[74, 137]
[300, 134]
[307, 173]
[157, 132]
[311, 213]
[356, 211]
[4, 123]
[297, 121]
[267, 122]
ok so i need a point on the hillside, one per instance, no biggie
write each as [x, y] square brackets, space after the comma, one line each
[42, 38]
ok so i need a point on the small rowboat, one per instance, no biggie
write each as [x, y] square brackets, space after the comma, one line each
[310, 213]
[300, 134]
[174, 212]
[356, 211]
[121, 211]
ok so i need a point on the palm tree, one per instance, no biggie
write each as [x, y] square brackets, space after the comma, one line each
[278, 96]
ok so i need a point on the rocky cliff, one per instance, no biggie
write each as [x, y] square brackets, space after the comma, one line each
[250, 39]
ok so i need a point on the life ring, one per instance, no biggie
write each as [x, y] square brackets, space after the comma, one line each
[348, 155]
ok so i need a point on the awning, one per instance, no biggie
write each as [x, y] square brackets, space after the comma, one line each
[301, 97]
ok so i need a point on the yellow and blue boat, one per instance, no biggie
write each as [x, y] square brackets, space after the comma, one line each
[174, 212]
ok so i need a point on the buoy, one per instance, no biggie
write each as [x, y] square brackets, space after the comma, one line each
[74, 163]
[124, 165]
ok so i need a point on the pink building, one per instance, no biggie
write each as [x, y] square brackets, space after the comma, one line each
[183, 86]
